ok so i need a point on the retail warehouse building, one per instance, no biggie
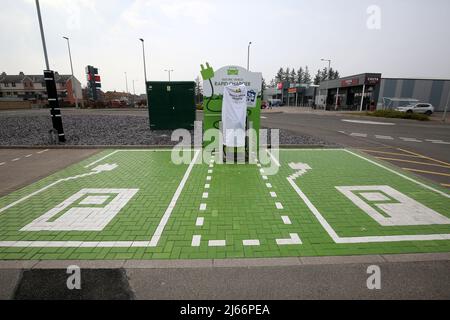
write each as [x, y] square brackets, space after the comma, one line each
[363, 91]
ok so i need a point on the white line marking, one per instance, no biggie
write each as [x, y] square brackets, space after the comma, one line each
[210, 171]
[265, 178]
[2, 163]
[384, 137]
[269, 185]
[279, 205]
[29, 155]
[208, 178]
[399, 174]
[262, 117]
[438, 141]
[286, 220]
[217, 243]
[16, 159]
[337, 239]
[167, 214]
[99, 160]
[248, 243]
[410, 139]
[207, 186]
[370, 122]
[211, 166]
[94, 172]
[205, 195]
[262, 171]
[258, 165]
[273, 194]
[202, 207]
[295, 239]
[273, 158]
[196, 241]
[363, 135]
[200, 221]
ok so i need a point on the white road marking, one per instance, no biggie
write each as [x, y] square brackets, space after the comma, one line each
[210, 171]
[205, 195]
[207, 186]
[410, 139]
[2, 163]
[363, 135]
[262, 171]
[269, 185]
[200, 221]
[438, 141]
[279, 205]
[217, 243]
[286, 220]
[262, 117]
[172, 204]
[208, 178]
[337, 239]
[202, 207]
[94, 171]
[370, 122]
[384, 137]
[265, 178]
[273, 194]
[211, 166]
[196, 241]
[16, 159]
[273, 158]
[101, 159]
[248, 243]
[295, 239]
[29, 155]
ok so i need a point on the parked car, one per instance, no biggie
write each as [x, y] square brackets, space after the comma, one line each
[425, 108]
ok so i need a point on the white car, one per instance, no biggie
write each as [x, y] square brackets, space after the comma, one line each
[425, 108]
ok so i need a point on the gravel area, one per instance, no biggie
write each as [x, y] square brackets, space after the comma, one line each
[94, 128]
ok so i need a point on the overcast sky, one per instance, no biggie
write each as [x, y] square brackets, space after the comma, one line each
[410, 40]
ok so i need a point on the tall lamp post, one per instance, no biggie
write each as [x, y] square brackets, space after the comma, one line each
[71, 68]
[169, 71]
[248, 56]
[446, 107]
[126, 82]
[145, 69]
[50, 83]
[328, 79]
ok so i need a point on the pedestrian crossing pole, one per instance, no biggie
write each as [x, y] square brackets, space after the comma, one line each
[50, 83]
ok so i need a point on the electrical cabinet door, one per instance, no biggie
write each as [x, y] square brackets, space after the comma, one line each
[171, 105]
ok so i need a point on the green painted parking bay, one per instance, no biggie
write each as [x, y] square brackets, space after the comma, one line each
[137, 204]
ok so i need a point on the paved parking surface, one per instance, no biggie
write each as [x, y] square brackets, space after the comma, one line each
[136, 204]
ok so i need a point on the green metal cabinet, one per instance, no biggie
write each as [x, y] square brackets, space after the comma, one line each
[171, 105]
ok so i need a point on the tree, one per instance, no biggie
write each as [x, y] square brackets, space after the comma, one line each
[286, 74]
[264, 85]
[300, 76]
[292, 76]
[336, 75]
[318, 77]
[306, 76]
[198, 90]
[280, 75]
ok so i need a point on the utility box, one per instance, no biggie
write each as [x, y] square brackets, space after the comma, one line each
[171, 105]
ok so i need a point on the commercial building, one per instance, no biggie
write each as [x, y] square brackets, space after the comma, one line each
[32, 88]
[292, 94]
[370, 90]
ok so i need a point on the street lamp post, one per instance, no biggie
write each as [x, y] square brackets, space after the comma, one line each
[328, 79]
[50, 83]
[145, 68]
[71, 68]
[126, 82]
[248, 56]
[446, 107]
[169, 71]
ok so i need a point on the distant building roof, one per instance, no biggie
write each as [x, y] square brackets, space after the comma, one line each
[5, 78]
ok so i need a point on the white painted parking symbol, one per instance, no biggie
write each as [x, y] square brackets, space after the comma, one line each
[389, 207]
[87, 210]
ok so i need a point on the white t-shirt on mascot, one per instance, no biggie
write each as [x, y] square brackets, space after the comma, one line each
[234, 115]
